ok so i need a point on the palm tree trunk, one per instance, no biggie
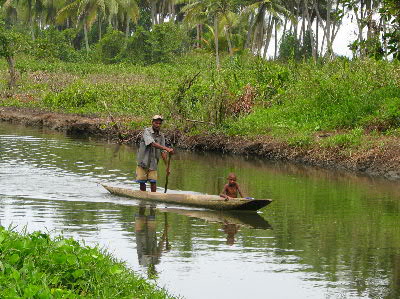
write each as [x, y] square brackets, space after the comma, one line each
[309, 27]
[85, 31]
[216, 41]
[316, 35]
[127, 31]
[99, 29]
[153, 12]
[12, 71]
[127, 26]
[198, 36]
[270, 25]
[228, 38]
[276, 39]
[249, 31]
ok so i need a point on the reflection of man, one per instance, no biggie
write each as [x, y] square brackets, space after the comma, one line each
[230, 229]
[149, 252]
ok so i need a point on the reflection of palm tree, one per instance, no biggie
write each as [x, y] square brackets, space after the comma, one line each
[148, 250]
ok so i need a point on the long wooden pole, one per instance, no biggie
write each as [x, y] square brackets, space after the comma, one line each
[166, 178]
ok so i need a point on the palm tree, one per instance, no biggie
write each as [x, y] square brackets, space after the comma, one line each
[263, 25]
[201, 10]
[84, 12]
[31, 9]
[128, 10]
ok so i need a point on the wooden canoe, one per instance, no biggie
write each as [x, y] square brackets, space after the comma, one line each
[213, 202]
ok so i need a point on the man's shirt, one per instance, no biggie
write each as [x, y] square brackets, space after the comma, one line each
[148, 155]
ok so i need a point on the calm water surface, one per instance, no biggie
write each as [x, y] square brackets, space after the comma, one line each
[326, 235]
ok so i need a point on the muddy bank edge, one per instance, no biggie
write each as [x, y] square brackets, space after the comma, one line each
[382, 161]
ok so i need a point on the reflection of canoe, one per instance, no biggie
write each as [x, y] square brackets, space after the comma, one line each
[214, 202]
[252, 220]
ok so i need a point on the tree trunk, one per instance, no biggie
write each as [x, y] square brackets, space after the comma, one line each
[198, 36]
[316, 35]
[216, 41]
[268, 38]
[12, 71]
[276, 39]
[309, 27]
[328, 28]
[228, 38]
[153, 12]
[85, 31]
[100, 33]
[249, 31]
[127, 30]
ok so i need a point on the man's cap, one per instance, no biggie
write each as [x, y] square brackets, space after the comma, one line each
[155, 117]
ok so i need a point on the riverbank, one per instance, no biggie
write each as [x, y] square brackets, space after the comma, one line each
[379, 155]
[336, 114]
[38, 266]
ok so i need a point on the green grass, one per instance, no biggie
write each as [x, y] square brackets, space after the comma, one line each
[291, 101]
[37, 266]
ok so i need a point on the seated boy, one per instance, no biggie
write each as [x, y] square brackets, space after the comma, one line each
[231, 189]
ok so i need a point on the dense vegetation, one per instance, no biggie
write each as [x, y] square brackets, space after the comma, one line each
[206, 61]
[36, 266]
[249, 96]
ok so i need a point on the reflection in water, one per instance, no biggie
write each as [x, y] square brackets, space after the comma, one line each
[231, 230]
[333, 233]
[148, 248]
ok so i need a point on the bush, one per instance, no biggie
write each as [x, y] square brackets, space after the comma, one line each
[110, 46]
[162, 44]
[55, 44]
[36, 266]
[77, 95]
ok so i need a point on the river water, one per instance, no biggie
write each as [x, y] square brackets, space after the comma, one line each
[326, 235]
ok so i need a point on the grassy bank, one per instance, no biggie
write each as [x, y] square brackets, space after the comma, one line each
[37, 266]
[334, 104]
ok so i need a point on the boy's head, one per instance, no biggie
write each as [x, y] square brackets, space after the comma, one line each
[231, 179]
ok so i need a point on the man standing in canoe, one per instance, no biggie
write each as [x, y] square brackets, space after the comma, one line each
[152, 145]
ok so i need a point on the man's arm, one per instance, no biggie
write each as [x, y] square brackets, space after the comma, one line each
[161, 147]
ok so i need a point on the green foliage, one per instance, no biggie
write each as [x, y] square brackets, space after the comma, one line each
[338, 95]
[11, 41]
[77, 95]
[138, 48]
[36, 266]
[350, 139]
[391, 14]
[166, 41]
[54, 44]
[291, 101]
[162, 44]
[290, 47]
[111, 46]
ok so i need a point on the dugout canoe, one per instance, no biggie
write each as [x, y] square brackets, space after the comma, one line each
[213, 202]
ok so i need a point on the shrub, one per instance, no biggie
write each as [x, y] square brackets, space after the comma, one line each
[110, 46]
[162, 44]
[77, 95]
[54, 44]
